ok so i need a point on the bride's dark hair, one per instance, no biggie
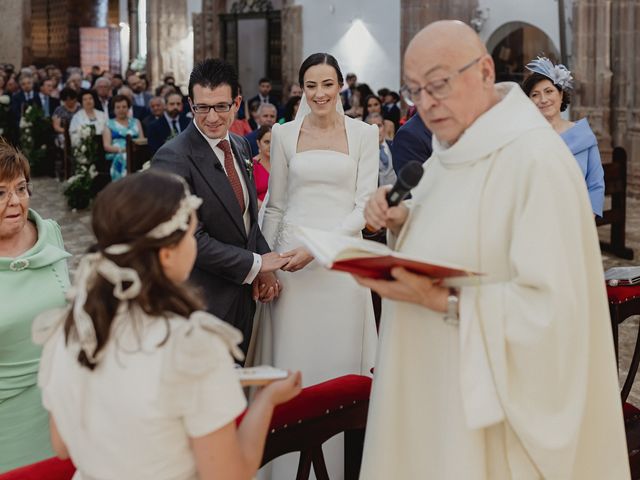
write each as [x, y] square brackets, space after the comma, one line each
[319, 59]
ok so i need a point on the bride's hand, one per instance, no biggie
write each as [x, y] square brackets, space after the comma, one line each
[300, 258]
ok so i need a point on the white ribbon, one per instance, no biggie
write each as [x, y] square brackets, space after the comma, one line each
[90, 265]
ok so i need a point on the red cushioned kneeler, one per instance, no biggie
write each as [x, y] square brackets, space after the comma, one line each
[301, 425]
[624, 302]
[317, 414]
[49, 469]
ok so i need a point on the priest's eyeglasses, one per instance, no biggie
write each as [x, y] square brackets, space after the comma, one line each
[204, 109]
[438, 89]
[23, 190]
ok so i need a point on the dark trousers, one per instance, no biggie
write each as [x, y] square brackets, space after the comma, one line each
[240, 315]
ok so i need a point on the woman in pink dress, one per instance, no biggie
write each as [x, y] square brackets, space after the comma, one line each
[262, 163]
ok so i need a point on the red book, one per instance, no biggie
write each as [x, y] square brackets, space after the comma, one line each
[375, 260]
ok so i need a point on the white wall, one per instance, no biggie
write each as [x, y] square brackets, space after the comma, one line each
[364, 36]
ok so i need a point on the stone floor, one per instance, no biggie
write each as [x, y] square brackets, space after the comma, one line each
[49, 201]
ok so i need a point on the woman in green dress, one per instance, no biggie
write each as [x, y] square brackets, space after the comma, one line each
[33, 278]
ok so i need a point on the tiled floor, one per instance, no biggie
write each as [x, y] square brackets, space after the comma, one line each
[49, 201]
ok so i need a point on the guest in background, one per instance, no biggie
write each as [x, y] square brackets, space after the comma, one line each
[549, 88]
[348, 91]
[267, 116]
[262, 163]
[87, 115]
[157, 107]
[102, 87]
[140, 96]
[373, 104]
[74, 81]
[170, 124]
[294, 90]
[390, 109]
[114, 138]
[253, 114]
[135, 111]
[23, 98]
[386, 175]
[61, 118]
[48, 103]
[34, 278]
[290, 109]
[411, 143]
[117, 82]
[264, 93]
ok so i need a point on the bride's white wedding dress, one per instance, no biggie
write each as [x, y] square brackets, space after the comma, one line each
[322, 323]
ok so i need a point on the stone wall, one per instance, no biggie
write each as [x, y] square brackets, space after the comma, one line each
[606, 42]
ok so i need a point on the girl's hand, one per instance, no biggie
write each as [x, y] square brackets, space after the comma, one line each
[282, 391]
[300, 258]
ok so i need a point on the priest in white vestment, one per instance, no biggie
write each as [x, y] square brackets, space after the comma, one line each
[518, 380]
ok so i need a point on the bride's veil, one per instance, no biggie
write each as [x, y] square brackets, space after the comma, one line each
[304, 109]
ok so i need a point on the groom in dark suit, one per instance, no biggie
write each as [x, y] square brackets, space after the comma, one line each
[234, 266]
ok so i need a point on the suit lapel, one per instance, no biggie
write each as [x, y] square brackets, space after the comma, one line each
[207, 163]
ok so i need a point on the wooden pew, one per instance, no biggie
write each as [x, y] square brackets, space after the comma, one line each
[615, 180]
[138, 153]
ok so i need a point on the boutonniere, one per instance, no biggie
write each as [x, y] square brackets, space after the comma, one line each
[248, 164]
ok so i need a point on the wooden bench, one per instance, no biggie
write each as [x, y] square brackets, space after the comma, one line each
[138, 153]
[615, 181]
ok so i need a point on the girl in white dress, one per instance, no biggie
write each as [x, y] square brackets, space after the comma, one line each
[138, 381]
[324, 166]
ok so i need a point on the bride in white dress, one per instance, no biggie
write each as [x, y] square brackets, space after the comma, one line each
[324, 166]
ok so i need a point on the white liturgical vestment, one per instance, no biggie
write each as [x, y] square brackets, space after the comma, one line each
[526, 386]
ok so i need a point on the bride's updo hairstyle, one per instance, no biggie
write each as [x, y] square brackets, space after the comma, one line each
[122, 214]
[319, 59]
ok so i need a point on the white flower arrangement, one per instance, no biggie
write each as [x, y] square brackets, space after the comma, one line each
[5, 100]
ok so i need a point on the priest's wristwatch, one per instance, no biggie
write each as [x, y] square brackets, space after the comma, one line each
[453, 300]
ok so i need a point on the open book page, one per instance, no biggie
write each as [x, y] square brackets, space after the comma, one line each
[374, 260]
[328, 247]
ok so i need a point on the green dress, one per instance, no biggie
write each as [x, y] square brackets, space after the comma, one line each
[29, 284]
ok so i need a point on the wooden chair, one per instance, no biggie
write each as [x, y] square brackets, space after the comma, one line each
[67, 155]
[138, 153]
[615, 180]
[624, 302]
[317, 414]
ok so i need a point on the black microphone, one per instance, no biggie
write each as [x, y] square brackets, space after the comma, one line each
[408, 178]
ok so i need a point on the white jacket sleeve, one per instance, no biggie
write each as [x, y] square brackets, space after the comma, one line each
[366, 180]
[277, 188]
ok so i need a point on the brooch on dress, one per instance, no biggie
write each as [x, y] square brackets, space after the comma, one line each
[19, 264]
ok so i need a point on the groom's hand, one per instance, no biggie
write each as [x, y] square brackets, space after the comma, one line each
[266, 287]
[273, 261]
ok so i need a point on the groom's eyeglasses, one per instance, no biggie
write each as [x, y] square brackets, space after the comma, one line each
[204, 109]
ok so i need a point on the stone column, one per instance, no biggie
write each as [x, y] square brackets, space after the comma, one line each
[134, 48]
[625, 115]
[417, 14]
[291, 44]
[592, 68]
[15, 35]
[167, 40]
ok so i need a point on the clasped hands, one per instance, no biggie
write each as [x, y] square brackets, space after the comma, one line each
[266, 286]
